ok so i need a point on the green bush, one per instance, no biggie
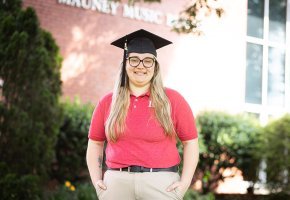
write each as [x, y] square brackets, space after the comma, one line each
[82, 191]
[17, 187]
[226, 141]
[70, 163]
[193, 195]
[276, 151]
[86, 191]
[29, 108]
[279, 196]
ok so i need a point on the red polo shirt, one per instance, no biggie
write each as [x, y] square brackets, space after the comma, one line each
[143, 142]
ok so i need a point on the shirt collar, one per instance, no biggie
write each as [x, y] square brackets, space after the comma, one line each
[142, 95]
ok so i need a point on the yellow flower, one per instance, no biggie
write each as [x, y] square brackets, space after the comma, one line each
[72, 188]
[67, 184]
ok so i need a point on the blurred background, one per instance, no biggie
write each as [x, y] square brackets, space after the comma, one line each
[229, 58]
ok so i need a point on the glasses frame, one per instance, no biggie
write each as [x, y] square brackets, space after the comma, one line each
[141, 61]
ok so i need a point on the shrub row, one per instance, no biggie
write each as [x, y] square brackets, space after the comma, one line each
[225, 141]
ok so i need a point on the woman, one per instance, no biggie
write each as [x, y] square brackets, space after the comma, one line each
[140, 121]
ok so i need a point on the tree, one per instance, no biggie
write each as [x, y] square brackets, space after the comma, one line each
[190, 19]
[29, 109]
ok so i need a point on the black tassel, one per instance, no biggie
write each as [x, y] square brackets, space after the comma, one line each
[123, 78]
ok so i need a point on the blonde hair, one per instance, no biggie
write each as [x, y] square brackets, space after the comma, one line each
[115, 124]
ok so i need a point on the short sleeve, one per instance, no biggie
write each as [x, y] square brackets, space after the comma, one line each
[183, 117]
[97, 126]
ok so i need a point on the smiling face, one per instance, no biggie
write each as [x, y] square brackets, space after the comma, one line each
[140, 76]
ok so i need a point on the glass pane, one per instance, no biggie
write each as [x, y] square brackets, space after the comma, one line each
[255, 18]
[276, 77]
[254, 73]
[277, 20]
[253, 115]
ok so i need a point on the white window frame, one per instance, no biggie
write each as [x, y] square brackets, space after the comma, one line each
[263, 109]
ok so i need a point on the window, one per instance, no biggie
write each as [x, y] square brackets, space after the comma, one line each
[267, 69]
[254, 73]
[276, 77]
[255, 18]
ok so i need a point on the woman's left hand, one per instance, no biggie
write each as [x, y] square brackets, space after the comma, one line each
[182, 187]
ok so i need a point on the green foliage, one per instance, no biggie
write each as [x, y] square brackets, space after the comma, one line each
[17, 187]
[29, 109]
[82, 191]
[86, 191]
[276, 151]
[70, 163]
[14, 186]
[278, 196]
[190, 19]
[193, 195]
[228, 141]
[10, 6]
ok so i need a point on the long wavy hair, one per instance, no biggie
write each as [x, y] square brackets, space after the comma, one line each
[115, 124]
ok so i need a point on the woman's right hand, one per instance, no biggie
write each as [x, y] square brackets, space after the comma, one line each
[101, 184]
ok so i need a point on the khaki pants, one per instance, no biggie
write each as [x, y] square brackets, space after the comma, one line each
[139, 186]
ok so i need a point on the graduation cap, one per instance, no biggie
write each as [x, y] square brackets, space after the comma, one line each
[140, 41]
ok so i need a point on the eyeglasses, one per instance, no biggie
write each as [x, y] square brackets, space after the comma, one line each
[147, 62]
